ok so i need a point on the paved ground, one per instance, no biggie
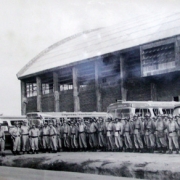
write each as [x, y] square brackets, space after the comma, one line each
[9, 173]
[134, 165]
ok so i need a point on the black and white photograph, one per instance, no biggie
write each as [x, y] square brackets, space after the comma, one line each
[90, 89]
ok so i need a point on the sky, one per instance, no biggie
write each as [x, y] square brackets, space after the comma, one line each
[30, 26]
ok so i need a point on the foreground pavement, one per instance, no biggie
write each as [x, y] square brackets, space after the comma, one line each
[133, 165]
[9, 173]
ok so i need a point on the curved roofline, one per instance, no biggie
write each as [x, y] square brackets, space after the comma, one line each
[42, 53]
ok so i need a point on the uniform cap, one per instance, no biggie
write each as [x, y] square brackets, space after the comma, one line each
[170, 116]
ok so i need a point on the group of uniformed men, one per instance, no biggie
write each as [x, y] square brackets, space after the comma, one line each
[137, 134]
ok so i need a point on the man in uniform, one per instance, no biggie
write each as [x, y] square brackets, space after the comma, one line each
[2, 141]
[15, 133]
[45, 137]
[92, 135]
[34, 135]
[25, 137]
[160, 126]
[173, 128]
[82, 135]
[137, 131]
[109, 134]
[127, 132]
[58, 138]
[101, 132]
[118, 132]
[74, 135]
[66, 135]
[52, 137]
[149, 128]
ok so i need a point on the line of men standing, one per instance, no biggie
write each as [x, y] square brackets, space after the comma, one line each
[138, 134]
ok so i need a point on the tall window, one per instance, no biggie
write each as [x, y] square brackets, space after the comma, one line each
[45, 88]
[65, 87]
[158, 59]
[31, 89]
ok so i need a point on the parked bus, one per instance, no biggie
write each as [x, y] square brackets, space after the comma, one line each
[129, 108]
[176, 111]
[7, 123]
[38, 118]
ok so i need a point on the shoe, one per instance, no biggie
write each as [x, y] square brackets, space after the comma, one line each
[164, 150]
[141, 150]
[3, 155]
[177, 151]
[14, 153]
[33, 152]
[151, 150]
[170, 151]
[18, 152]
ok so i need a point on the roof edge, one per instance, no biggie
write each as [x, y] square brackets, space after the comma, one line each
[42, 53]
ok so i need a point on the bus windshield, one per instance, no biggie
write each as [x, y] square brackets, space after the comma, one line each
[122, 113]
[176, 111]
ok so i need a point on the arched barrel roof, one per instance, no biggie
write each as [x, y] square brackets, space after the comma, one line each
[101, 41]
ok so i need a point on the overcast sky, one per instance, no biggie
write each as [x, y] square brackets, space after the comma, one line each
[30, 26]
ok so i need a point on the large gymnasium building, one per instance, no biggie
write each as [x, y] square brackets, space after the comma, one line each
[135, 60]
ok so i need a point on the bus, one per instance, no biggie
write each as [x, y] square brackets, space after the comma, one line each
[176, 111]
[122, 109]
[7, 122]
[38, 118]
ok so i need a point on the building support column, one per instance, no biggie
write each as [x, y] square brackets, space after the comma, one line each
[23, 98]
[56, 92]
[153, 92]
[39, 94]
[75, 90]
[98, 90]
[122, 76]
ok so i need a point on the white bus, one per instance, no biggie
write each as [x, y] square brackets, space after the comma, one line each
[40, 117]
[129, 108]
[7, 122]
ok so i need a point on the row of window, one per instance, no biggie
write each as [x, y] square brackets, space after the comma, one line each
[31, 89]
[159, 58]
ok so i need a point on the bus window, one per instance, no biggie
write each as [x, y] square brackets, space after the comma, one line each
[143, 111]
[156, 111]
[167, 111]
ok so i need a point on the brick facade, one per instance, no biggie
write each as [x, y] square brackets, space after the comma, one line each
[48, 103]
[66, 101]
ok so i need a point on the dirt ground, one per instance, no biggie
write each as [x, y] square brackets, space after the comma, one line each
[11, 173]
[133, 165]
